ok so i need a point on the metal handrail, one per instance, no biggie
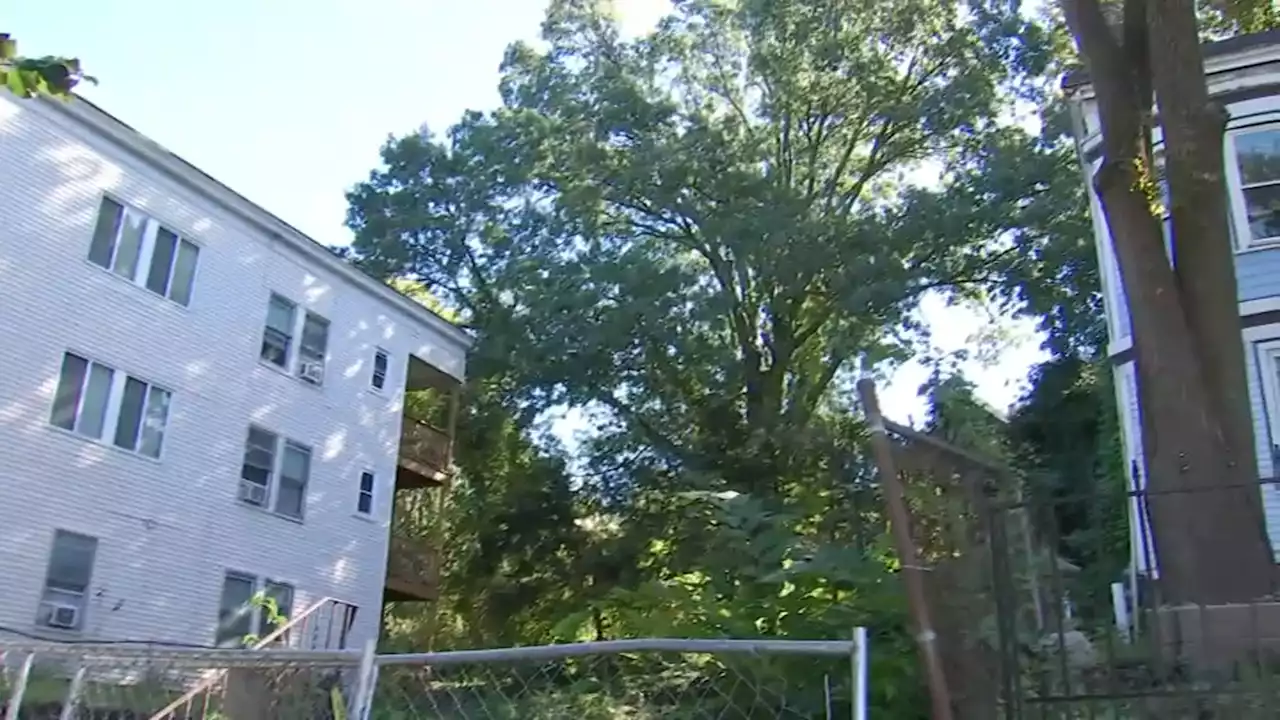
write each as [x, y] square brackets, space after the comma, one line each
[271, 637]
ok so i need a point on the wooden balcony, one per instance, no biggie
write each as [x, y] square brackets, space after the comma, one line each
[424, 457]
[413, 570]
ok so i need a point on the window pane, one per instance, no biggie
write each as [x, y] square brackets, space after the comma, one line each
[315, 336]
[126, 262]
[135, 392]
[67, 397]
[235, 614]
[379, 369]
[290, 497]
[93, 411]
[297, 462]
[1258, 156]
[259, 457]
[278, 334]
[162, 261]
[1263, 207]
[364, 502]
[184, 273]
[154, 421]
[71, 562]
[105, 231]
[294, 471]
[280, 315]
[283, 595]
[1162, 186]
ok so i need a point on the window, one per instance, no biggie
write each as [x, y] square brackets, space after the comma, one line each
[306, 356]
[1268, 354]
[1257, 170]
[267, 456]
[241, 612]
[1165, 209]
[379, 380]
[311, 351]
[364, 504]
[66, 581]
[277, 338]
[142, 251]
[97, 402]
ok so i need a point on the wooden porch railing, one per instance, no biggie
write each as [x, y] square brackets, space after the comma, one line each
[413, 567]
[325, 625]
[425, 443]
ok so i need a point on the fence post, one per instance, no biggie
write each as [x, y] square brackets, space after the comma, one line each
[859, 673]
[362, 702]
[904, 543]
[20, 688]
[73, 695]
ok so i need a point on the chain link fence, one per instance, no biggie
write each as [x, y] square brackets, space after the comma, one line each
[678, 679]
[115, 682]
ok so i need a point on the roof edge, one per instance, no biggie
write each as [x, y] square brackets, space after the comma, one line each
[87, 113]
[1079, 77]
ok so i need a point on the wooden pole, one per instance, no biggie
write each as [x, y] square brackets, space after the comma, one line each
[912, 572]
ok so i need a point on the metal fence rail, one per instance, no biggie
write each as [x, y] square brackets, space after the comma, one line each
[659, 678]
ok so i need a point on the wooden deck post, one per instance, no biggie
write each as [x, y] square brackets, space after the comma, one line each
[912, 572]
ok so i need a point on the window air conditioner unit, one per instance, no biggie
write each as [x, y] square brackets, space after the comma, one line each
[62, 616]
[312, 372]
[252, 493]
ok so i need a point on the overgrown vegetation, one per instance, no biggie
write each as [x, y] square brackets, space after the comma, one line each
[28, 77]
[695, 240]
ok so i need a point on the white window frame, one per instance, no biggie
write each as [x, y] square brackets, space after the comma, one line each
[1243, 236]
[114, 405]
[372, 493]
[386, 370]
[293, 356]
[146, 250]
[61, 596]
[258, 584]
[271, 503]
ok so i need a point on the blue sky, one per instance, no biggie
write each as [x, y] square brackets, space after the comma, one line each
[288, 102]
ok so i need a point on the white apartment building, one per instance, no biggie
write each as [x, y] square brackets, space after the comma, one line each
[198, 403]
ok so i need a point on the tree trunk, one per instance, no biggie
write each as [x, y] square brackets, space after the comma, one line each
[1193, 138]
[1205, 504]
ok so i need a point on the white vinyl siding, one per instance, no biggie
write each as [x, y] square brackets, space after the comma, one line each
[66, 585]
[98, 402]
[168, 530]
[144, 252]
[275, 473]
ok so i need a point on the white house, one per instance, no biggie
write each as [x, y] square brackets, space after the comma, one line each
[197, 401]
[1244, 75]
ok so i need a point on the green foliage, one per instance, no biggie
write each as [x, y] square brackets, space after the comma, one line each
[48, 76]
[271, 616]
[695, 238]
[1067, 433]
